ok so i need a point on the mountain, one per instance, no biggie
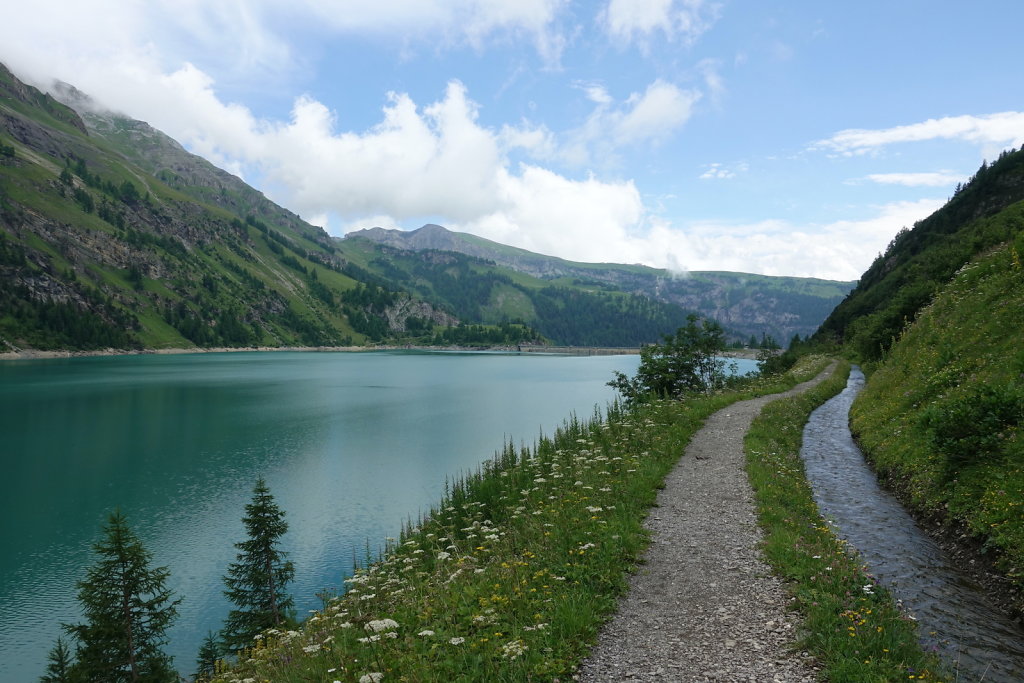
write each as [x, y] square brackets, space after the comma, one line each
[747, 305]
[938, 322]
[112, 235]
[475, 289]
[918, 262]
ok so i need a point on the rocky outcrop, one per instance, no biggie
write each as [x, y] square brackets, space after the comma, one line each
[399, 313]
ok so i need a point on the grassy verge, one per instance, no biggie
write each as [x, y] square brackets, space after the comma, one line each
[511, 576]
[852, 625]
[942, 416]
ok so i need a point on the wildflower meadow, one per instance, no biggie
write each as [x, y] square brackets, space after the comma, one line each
[510, 577]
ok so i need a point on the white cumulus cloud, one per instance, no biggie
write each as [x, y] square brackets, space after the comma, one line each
[255, 40]
[840, 250]
[648, 117]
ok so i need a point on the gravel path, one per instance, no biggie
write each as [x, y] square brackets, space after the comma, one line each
[704, 605]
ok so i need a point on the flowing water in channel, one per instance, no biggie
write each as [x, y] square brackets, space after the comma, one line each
[952, 612]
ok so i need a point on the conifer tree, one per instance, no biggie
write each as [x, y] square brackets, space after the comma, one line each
[128, 609]
[58, 670]
[210, 652]
[256, 582]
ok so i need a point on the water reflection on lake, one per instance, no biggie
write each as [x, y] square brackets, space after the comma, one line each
[350, 445]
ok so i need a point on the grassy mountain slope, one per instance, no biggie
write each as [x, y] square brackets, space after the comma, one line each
[942, 416]
[938, 320]
[919, 262]
[745, 304]
[475, 289]
[112, 235]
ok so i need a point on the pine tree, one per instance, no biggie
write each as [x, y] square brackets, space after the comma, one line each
[128, 609]
[58, 670]
[256, 582]
[210, 652]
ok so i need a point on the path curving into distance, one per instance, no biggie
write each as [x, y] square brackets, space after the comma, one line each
[704, 605]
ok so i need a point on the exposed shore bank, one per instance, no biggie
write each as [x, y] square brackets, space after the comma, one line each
[36, 354]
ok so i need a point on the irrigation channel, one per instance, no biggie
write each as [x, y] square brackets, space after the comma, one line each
[954, 617]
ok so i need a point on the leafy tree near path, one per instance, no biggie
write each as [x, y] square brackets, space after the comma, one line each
[684, 363]
[128, 608]
[257, 581]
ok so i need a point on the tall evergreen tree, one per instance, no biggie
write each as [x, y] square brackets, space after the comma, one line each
[128, 609]
[256, 582]
[58, 669]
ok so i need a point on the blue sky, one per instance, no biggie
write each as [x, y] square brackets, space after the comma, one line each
[784, 138]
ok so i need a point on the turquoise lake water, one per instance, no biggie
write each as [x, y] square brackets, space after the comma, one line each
[351, 444]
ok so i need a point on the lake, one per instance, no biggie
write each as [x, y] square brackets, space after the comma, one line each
[351, 445]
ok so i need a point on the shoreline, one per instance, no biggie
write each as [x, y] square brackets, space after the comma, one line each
[37, 354]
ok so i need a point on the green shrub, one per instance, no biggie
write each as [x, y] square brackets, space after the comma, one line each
[972, 427]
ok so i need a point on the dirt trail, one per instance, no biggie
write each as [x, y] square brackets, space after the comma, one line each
[704, 605]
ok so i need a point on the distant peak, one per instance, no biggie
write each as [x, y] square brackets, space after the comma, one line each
[73, 97]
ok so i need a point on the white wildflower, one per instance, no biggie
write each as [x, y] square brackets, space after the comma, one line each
[378, 625]
[513, 649]
[375, 677]
[425, 633]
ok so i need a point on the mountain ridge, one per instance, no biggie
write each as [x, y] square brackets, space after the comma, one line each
[113, 235]
[749, 304]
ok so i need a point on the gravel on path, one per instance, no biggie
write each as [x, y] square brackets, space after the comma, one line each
[704, 605]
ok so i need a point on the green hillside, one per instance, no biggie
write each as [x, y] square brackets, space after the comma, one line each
[745, 304]
[566, 311]
[938, 322]
[113, 236]
[919, 262]
[941, 418]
